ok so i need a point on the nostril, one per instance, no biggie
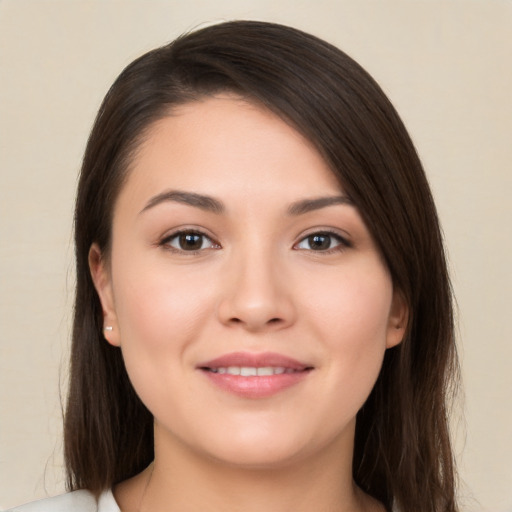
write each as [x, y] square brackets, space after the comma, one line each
[272, 321]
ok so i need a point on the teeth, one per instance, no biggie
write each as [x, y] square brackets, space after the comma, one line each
[250, 371]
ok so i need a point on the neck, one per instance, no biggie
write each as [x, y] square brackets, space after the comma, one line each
[185, 481]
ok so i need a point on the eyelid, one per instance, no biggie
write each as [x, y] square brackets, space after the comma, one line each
[164, 241]
[344, 241]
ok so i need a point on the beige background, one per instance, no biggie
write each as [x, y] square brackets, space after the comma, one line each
[447, 66]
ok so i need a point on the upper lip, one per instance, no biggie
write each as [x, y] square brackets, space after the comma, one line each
[255, 360]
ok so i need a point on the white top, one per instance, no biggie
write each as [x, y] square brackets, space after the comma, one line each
[76, 501]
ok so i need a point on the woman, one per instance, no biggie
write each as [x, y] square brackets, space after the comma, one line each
[263, 316]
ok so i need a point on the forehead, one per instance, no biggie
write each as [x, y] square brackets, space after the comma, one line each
[227, 146]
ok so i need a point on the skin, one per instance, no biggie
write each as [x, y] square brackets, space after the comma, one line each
[256, 284]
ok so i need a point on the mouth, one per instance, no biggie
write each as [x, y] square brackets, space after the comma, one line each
[252, 371]
[250, 375]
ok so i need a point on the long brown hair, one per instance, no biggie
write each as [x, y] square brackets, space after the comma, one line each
[402, 452]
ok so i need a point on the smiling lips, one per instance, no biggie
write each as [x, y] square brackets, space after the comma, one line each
[254, 375]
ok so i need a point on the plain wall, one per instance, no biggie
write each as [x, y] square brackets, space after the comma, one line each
[446, 65]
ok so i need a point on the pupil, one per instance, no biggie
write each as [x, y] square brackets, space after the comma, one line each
[190, 241]
[318, 242]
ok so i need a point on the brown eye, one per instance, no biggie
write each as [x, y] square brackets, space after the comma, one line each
[322, 242]
[189, 241]
[319, 242]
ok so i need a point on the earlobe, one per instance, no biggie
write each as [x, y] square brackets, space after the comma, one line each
[398, 320]
[100, 274]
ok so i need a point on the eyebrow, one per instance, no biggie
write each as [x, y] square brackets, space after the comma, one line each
[308, 205]
[213, 205]
[203, 202]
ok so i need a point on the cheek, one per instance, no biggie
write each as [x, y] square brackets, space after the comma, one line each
[160, 312]
[352, 304]
[157, 303]
[350, 314]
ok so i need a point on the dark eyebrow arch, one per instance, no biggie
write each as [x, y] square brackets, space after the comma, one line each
[308, 205]
[203, 202]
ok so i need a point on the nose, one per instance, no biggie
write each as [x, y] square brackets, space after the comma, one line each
[257, 295]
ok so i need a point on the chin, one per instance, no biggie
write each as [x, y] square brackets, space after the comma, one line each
[257, 457]
[266, 450]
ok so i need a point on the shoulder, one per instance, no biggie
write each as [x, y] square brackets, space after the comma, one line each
[77, 501]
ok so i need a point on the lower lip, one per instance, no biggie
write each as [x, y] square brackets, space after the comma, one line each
[256, 387]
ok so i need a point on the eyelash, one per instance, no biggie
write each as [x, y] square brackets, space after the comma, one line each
[166, 242]
[342, 243]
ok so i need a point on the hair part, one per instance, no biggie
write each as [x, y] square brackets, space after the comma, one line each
[402, 453]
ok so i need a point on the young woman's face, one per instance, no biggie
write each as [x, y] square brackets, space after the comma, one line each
[249, 300]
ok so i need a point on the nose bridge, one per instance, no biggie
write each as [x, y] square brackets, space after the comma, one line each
[257, 294]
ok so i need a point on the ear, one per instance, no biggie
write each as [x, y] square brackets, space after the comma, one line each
[398, 319]
[101, 277]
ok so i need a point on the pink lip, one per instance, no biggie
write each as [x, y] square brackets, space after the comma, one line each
[256, 360]
[255, 386]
